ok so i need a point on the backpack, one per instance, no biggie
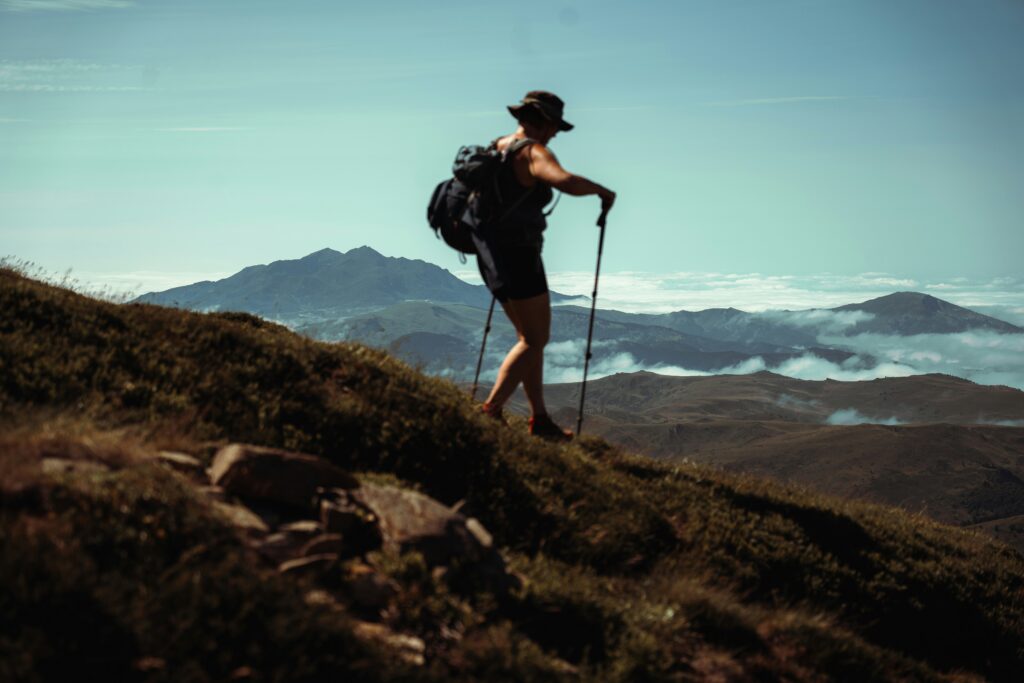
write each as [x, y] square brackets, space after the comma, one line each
[471, 198]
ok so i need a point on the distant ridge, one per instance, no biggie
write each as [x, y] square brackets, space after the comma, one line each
[325, 285]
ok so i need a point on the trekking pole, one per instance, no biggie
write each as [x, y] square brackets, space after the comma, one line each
[590, 330]
[480, 360]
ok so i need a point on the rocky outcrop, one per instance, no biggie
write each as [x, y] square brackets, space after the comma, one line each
[273, 475]
[410, 521]
[317, 523]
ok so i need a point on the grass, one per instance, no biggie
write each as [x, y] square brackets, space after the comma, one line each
[634, 570]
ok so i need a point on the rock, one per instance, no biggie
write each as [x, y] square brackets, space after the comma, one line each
[275, 475]
[314, 566]
[409, 520]
[303, 526]
[407, 648]
[321, 598]
[356, 524]
[182, 462]
[324, 543]
[482, 536]
[214, 493]
[287, 543]
[240, 517]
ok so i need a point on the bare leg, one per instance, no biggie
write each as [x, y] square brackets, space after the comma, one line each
[525, 362]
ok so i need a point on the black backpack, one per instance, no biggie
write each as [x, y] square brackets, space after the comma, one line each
[472, 197]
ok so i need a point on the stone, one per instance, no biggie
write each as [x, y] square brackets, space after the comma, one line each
[240, 517]
[409, 649]
[275, 475]
[286, 543]
[411, 521]
[324, 543]
[357, 525]
[214, 493]
[310, 527]
[321, 598]
[314, 566]
[482, 536]
[182, 462]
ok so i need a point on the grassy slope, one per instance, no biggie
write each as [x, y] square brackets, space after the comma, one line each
[637, 571]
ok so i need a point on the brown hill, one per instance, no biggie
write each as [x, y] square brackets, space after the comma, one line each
[646, 397]
[768, 425]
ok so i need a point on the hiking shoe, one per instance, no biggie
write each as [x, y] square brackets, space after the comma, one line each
[494, 413]
[545, 428]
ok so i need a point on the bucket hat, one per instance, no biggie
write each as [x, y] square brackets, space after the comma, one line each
[549, 105]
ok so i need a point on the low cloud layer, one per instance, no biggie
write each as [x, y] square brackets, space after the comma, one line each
[980, 356]
[823, 319]
[850, 416]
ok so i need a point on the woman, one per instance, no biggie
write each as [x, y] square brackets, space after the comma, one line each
[508, 253]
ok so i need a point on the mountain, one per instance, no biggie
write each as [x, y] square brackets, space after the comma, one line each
[445, 338]
[120, 561]
[901, 313]
[907, 313]
[325, 285]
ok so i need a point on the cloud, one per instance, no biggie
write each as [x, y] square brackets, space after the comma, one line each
[203, 129]
[777, 100]
[145, 280]
[563, 362]
[63, 5]
[822, 319]
[849, 416]
[641, 292]
[1000, 423]
[982, 356]
[646, 292]
[68, 75]
[796, 403]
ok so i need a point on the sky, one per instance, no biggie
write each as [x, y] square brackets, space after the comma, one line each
[174, 140]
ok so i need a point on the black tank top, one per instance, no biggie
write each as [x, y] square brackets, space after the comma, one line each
[525, 223]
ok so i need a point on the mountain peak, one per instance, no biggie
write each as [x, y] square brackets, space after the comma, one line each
[907, 313]
[326, 254]
[364, 252]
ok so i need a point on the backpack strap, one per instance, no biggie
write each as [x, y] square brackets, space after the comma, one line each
[515, 147]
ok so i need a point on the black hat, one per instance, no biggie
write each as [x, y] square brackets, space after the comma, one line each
[548, 105]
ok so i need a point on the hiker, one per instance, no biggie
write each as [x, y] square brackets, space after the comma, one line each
[509, 255]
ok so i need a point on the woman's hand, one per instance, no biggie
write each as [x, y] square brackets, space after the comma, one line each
[607, 199]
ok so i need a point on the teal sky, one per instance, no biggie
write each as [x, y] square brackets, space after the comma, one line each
[788, 137]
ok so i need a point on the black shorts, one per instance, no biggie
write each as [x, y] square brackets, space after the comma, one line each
[511, 272]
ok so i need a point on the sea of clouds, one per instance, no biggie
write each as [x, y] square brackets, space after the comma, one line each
[980, 356]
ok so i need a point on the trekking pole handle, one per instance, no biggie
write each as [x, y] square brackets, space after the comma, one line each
[603, 218]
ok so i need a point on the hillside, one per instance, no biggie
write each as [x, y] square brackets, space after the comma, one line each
[629, 569]
[940, 445]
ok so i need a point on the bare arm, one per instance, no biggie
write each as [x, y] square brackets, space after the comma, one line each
[545, 167]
